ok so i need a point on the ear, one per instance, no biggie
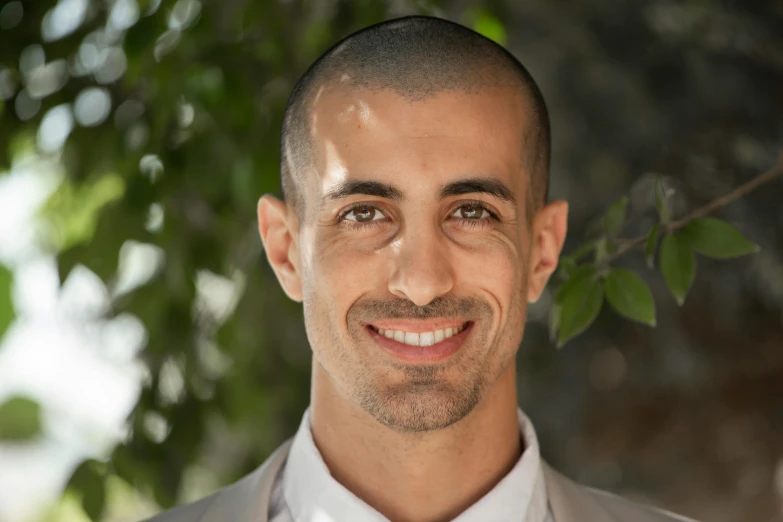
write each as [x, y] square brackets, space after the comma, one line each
[549, 232]
[276, 223]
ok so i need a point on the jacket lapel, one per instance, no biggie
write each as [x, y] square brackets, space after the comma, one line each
[248, 499]
[571, 502]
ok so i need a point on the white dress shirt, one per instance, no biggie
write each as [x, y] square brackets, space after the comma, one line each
[305, 491]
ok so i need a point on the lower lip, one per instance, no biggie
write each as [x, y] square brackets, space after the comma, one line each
[422, 354]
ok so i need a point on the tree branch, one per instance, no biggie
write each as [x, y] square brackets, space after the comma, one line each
[710, 207]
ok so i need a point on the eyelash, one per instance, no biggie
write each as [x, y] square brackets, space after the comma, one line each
[469, 223]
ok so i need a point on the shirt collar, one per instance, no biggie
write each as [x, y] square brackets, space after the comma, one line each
[521, 494]
[310, 491]
[313, 495]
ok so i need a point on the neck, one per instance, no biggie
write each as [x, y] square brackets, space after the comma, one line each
[417, 477]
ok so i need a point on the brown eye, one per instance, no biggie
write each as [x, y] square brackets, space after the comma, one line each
[471, 211]
[363, 214]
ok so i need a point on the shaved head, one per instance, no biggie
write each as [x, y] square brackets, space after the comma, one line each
[415, 57]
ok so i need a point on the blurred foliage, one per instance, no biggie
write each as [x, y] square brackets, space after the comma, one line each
[6, 304]
[20, 419]
[89, 481]
[72, 211]
[166, 117]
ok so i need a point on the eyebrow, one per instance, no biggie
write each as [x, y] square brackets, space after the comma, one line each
[367, 188]
[492, 187]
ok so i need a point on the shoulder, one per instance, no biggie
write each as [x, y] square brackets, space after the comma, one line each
[571, 502]
[624, 509]
[240, 501]
[192, 512]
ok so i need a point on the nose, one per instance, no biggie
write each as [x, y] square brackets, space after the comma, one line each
[422, 268]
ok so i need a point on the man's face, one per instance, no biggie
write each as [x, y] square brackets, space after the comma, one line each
[414, 230]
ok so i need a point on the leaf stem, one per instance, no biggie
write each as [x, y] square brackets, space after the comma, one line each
[710, 207]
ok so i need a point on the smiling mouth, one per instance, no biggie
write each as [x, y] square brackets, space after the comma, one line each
[420, 338]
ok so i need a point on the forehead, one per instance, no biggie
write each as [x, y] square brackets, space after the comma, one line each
[379, 134]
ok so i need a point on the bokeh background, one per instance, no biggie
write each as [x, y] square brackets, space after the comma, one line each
[149, 355]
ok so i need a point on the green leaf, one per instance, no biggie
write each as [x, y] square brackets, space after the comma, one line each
[717, 239]
[650, 244]
[489, 26]
[581, 299]
[678, 265]
[6, 303]
[602, 249]
[554, 320]
[566, 267]
[20, 419]
[630, 296]
[94, 499]
[662, 201]
[578, 275]
[90, 483]
[582, 251]
[614, 219]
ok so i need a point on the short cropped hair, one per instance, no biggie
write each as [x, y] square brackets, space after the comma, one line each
[416, 57]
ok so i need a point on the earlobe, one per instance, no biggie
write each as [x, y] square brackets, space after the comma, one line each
[281, 250]
[549, 232]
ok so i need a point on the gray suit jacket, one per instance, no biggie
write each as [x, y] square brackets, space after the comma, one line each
[247, 500]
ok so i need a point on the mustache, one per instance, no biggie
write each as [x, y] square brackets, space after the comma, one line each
[440, 307]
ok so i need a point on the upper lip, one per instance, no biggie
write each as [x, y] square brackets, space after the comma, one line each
[418, 325]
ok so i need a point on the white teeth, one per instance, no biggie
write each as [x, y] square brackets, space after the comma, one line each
[426, 339]
[420, 339]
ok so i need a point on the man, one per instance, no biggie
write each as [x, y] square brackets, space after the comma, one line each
[415, 231]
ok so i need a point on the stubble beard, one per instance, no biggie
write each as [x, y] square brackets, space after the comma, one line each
[424, 400]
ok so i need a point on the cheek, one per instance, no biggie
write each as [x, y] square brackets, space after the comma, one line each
[340, 273]
[495, 272]
[494, 266]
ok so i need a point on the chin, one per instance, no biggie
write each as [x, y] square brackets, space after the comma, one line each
[421, 406]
